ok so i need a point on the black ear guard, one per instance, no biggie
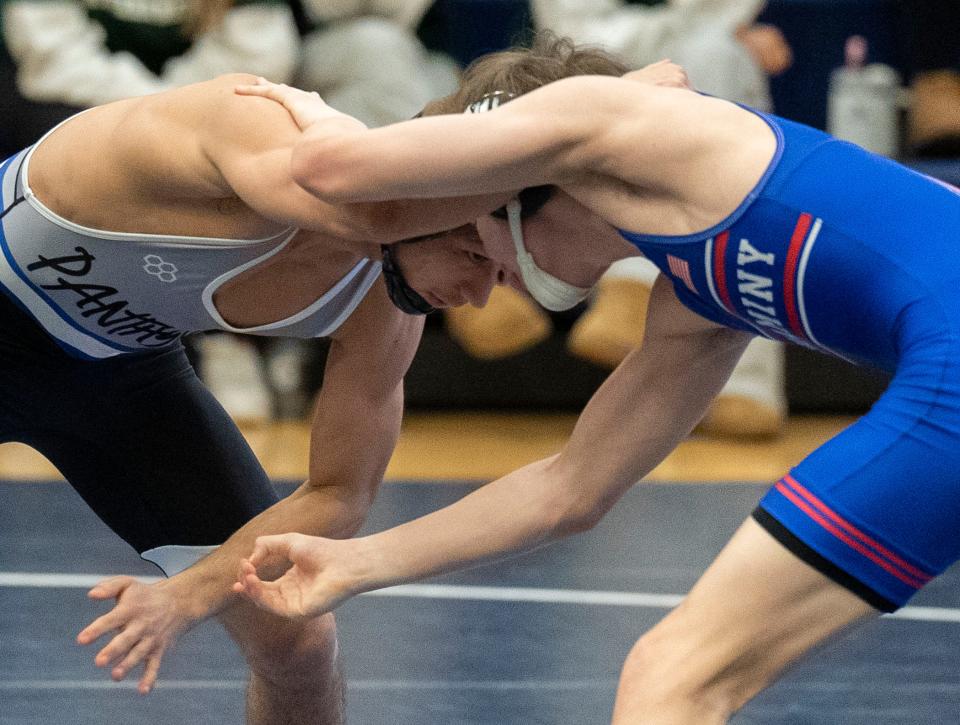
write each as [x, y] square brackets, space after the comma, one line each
[403, 296]
[531, 199]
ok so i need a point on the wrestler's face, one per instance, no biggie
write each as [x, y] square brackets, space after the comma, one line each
[455, 268]
[562, 236]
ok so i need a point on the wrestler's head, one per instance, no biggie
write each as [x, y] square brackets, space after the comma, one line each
[486, 84]
[448, 269]
[461, 266]
[523, 69]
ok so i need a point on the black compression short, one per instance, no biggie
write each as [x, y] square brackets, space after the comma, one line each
[138, 436]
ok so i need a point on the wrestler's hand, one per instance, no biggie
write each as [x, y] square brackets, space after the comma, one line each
[145, 621]
[306, 108]
[314, 582]
[662, 73]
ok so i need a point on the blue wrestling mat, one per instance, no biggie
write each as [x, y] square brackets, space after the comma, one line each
[539, 639]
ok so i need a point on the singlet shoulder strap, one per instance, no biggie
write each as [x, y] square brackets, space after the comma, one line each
[18, 195]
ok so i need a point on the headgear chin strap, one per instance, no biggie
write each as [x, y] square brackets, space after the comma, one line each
[403, 296]
[551, 292]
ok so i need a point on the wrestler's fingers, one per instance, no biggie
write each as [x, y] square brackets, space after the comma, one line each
[276, 91]
[114, 619]
[266, 595]
[119, 646]
[109, 588]
[262, 87]
[150, 672]
[271, 549]
[244, 570]
[134, 657]
[247, 89]
[280, 92]
[255, 587]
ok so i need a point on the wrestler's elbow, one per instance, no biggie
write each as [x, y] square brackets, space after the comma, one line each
[593, 483]
[581, 515]
[323, 168]
[309, 172]
[580, 508]
[342, 509]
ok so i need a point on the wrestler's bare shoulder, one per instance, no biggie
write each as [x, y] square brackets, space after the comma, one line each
[149, 157]
[676, 161]
[146, 139]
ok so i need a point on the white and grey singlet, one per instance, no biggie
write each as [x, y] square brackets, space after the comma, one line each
[100, 293]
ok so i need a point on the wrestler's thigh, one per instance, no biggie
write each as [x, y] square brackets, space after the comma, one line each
[758, 599]
[150, 450]
[756, 608]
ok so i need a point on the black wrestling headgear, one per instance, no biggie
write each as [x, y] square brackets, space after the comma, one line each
[403, 296]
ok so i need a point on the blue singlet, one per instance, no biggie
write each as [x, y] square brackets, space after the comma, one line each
[849, 253]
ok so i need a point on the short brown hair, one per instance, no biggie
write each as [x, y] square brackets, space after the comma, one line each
[520, 70]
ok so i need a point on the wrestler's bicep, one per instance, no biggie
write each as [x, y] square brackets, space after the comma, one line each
[249, 141]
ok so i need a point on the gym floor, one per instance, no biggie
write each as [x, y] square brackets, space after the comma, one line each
[538, 639]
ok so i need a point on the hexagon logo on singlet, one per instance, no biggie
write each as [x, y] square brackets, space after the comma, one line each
[155, 266]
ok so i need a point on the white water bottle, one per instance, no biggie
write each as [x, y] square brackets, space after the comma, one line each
[862, 105]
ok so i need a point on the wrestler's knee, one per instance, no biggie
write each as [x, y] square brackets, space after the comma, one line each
[290, 653]
[662, 674]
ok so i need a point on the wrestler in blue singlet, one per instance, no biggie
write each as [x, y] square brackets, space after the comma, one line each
[849, 253]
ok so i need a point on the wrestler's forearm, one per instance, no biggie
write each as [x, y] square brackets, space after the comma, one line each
[529, 508]
[205, 587]
[638, 416]
[391, 221]
[352, 438]
[514, 514]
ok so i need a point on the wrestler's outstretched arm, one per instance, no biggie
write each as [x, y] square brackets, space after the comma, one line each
[610, 142]
[525, 145]
[354, 430]
[308, 107]
[250, 142]
[643, 410]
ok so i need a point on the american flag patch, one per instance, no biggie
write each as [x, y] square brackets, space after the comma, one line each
[680, 268]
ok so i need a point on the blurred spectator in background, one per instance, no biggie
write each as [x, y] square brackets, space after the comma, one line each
[364, 58]
[933, 122]
[726, 53]
[61, 56]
